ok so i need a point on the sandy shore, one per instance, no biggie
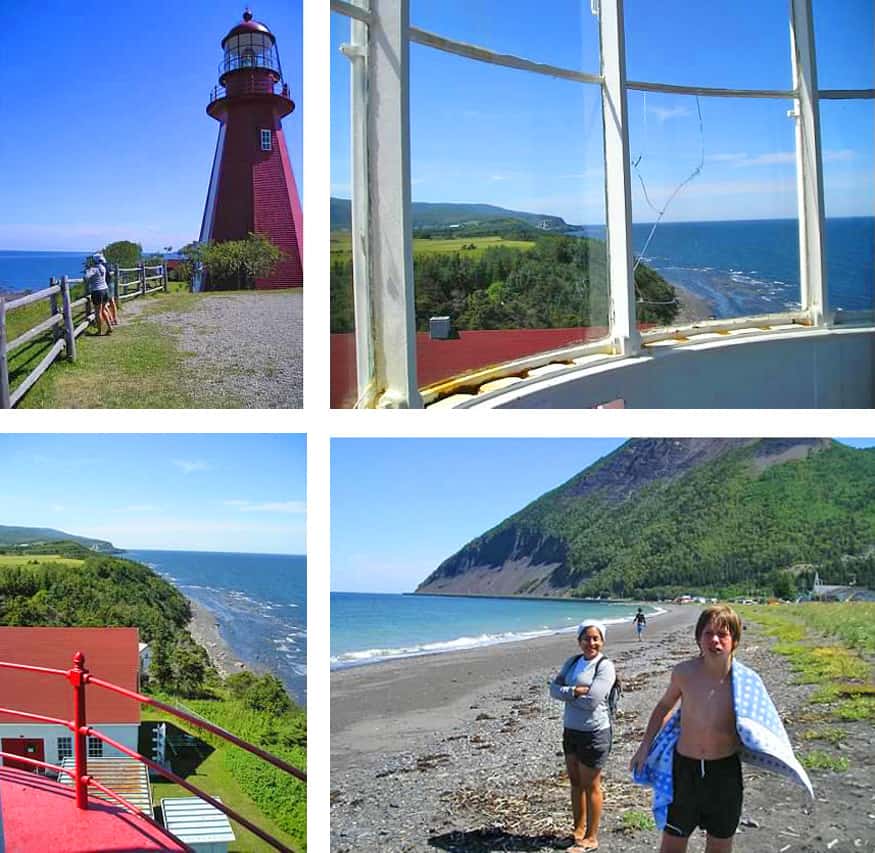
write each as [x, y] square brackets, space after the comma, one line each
[205, 630]
[692, 308]
[462, 752]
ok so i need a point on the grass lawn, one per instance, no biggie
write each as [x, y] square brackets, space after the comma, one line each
[134, 368]
[39, 559]
[212, 776]
[341, 245]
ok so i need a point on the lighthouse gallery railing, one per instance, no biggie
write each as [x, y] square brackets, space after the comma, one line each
[80, 678]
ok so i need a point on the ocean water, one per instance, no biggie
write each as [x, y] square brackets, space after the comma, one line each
[371, 627]
[259, 600]
[744, 268]
[21, 271]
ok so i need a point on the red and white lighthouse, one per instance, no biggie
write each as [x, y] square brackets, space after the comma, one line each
[252, 188]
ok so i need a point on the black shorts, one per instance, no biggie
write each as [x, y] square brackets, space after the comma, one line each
[99, 297]
[590, 748]
[706, 794]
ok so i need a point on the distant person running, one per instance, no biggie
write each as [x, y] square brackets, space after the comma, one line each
[691, 757]
[584, 683]
[98, 292]
[111, 307]
[640, 621]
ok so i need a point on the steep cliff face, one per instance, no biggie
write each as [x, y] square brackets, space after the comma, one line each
[514, 561]
[563, 538]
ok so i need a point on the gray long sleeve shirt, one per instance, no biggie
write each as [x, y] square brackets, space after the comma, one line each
[587, 713]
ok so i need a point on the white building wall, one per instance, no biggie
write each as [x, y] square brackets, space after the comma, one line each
[49, 734]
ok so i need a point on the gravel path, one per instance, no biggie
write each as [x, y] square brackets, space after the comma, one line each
[243, 350]
[490, 776]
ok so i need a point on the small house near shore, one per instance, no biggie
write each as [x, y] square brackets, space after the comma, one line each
[110, 653]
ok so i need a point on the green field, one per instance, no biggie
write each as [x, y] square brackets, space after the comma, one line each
[37, 559]
[341, 242]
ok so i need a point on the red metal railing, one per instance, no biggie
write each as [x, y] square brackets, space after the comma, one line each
[80, 678]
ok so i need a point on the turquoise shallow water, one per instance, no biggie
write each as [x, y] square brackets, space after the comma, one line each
[370, 627]
[259, 600]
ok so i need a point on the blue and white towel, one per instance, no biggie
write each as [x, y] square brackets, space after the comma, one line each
[764, 742]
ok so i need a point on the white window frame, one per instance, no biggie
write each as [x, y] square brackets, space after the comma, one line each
[95, 747]
[65, 747]
[383, 286]
[266, 140]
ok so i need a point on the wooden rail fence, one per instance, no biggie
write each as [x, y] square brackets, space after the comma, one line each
[62, 324]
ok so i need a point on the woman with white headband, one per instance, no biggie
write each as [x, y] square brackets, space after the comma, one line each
[583, 684]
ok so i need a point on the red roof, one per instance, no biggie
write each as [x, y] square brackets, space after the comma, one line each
[110, 653]
[442, 359]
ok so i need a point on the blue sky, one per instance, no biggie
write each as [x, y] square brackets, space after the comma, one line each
[399, 507]
[482, 133]
[242, 493]
[103, 130]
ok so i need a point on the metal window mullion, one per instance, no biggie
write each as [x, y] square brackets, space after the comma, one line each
[618, 193]
[357, 53]
[809, 167]
[390, 241]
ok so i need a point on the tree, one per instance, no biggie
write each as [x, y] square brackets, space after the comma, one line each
[124, 253]
[240, 262]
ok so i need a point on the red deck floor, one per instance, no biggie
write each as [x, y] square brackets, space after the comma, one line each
[39, 814]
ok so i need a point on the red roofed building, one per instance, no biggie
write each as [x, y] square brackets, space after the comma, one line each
[111, 654]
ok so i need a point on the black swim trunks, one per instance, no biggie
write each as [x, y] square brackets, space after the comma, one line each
[591, 748]
[706, 794]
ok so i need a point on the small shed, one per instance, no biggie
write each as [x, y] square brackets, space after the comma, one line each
[198, 824]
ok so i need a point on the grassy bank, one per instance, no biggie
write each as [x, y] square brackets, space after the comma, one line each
[829, 646]
[470, 246]
[269, 798]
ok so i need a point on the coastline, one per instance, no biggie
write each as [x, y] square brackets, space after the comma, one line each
[204, 629]
[691, 308]
[461, 751]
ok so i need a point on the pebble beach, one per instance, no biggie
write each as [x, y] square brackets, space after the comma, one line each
[462, 752]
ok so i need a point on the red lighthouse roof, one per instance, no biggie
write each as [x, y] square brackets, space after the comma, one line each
[247, 25]
[110, 653]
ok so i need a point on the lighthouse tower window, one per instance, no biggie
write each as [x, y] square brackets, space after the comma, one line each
[265, 140]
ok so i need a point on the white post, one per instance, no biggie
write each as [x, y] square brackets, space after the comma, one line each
[391, 271]
[5, 400]
[618, 192]
[809, 171]
[357, 53]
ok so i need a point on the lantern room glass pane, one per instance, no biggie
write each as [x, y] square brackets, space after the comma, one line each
[719, 44]
[843, 40]
[344, 388]
[507, 175]
[567, 36]
[722, 172]
[847, 134]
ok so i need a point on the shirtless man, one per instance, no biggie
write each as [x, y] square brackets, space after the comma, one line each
[707, 786]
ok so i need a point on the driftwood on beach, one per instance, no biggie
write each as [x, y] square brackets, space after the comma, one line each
[462, 752]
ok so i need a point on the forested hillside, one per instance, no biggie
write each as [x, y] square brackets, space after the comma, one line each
[656, 519]
[560, 282]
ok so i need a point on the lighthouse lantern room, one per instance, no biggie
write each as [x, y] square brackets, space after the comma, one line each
[252, 186]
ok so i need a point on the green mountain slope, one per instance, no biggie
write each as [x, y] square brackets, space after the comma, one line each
[31, 535]
[660, 516]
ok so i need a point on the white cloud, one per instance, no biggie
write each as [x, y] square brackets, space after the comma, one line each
[841, 156]
[189, 466]
[137, 508]
[663, 113]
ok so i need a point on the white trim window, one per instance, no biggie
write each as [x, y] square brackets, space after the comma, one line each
[266, 140]
[383, 314]
[65, 747]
